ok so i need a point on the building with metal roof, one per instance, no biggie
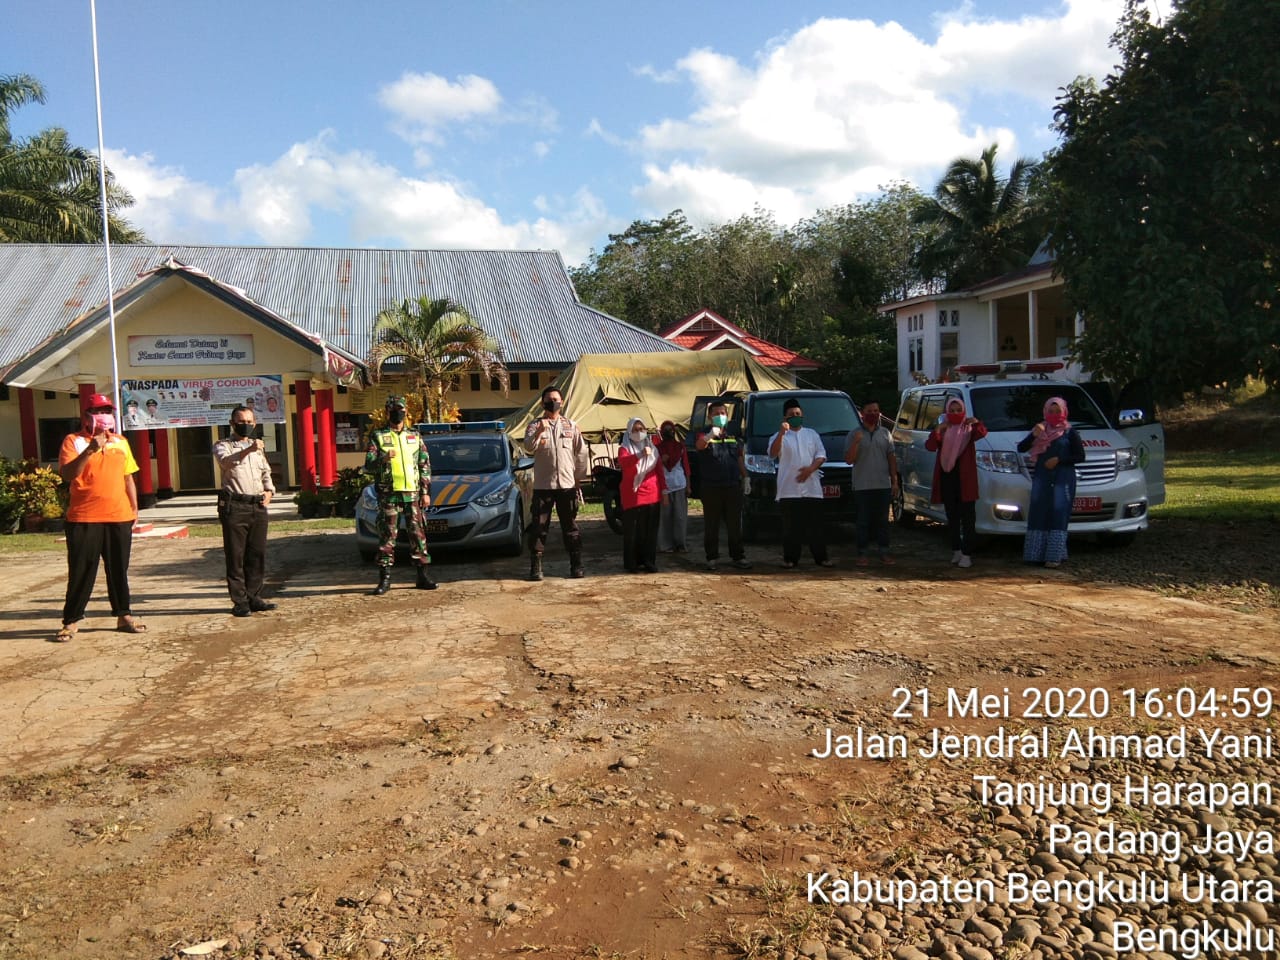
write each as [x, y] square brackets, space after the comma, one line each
[297, 322]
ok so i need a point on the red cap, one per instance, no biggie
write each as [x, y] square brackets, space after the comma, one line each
[97, 400]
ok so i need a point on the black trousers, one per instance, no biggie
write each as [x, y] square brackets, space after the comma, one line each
[722, 504]
[87, 543]
[244, 543]
[802, 523]
[873, 518]
[962, 515]
[640, 537]
[565, 503]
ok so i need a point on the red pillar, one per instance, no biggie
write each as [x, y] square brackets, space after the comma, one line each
[306, 436]
[27, 416]
[165, 483]
[327, 437]
[140, 441]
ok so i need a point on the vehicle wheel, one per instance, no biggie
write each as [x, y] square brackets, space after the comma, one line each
[898, 513]
[515, 546]
[1117, 539]
[612, 510]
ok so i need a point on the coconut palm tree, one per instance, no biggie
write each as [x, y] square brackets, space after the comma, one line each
[983, 225]
[49, 190]
[436, 341]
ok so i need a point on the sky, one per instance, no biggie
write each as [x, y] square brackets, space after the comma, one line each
[514, 124]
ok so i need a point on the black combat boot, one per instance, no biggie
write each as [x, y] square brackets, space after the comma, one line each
[575, 565]
[424, 580]
[535, 567]
[384, 582]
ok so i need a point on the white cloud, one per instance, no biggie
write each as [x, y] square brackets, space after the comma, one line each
[840, 107]
[422, 103]
[278, 203]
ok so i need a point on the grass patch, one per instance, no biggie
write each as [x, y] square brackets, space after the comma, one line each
[21, 543]
[1222, 487]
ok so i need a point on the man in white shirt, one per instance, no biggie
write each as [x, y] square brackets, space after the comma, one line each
[800, 455]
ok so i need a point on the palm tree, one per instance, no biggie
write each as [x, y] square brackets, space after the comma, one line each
[982, 225]
[49, 190]
[436, 340]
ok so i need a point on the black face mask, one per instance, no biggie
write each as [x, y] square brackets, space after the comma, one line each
[551, 406]
[396, 416]
[242, 429]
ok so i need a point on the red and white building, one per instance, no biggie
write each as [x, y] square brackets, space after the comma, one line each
[707, 330]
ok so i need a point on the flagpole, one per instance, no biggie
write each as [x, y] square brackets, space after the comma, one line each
[106, 238]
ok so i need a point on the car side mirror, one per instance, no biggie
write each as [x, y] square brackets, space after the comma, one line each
[524, 463]
[1130, 418]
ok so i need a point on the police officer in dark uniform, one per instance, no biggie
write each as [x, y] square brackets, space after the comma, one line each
[722, 472]
[401, 469]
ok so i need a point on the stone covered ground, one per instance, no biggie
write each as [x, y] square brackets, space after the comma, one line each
[611, 767]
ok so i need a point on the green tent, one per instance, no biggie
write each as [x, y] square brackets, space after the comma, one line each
[602, 391]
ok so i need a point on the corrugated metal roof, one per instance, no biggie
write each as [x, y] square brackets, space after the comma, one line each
[522, 298]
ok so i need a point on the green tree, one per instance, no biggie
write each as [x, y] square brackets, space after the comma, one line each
[436, 341]
[650, 275]
[1164, 198]
[49, 189]
[982, 224]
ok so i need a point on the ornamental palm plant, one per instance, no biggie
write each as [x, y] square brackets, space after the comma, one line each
[436, 341]
[983, 225]
[49, 187]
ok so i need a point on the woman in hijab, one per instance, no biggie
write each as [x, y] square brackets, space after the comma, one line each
[955, 476]
[641, 489]
[1053, 449]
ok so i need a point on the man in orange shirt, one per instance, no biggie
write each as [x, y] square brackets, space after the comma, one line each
[98, 467]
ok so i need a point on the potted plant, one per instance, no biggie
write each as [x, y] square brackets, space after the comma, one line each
[308, 502]
[347, 491]
[35, 493]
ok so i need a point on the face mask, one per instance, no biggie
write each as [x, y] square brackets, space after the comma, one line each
[638, 437]
[795, 423]
[1055, 419]
[396, 416]
[242, 429]
[955, 416]
[103, 422]
[719, 420]
[871, 421]
[551, 406]
[668, 434]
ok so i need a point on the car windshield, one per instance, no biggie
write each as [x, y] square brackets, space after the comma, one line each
[451, 455]
[828, 415]
[1017, 407]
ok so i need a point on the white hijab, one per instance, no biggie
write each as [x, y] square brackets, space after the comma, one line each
[646, 454]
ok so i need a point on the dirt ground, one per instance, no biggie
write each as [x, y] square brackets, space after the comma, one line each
[611, 767]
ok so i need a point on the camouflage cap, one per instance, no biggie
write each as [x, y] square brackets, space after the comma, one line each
[394, 401]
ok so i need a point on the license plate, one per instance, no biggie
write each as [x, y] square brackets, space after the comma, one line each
[1086, 505]
[437, 526]
[831, 491]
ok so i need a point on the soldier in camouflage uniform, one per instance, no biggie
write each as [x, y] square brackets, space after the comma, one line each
[401, 469]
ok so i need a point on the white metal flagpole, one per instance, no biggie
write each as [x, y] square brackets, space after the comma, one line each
[106, 221]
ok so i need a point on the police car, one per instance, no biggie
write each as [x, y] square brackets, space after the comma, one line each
[481, 491]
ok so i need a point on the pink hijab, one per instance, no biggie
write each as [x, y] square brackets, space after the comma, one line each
[1051, 433]
[955, 439]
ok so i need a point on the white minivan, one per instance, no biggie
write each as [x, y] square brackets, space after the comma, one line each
[1122, 476]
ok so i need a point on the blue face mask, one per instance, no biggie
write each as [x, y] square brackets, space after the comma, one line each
[719, 420]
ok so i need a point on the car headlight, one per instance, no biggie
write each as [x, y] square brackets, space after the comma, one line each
[1127, 459]
[761, 463]
[494, 498]
[999, 461]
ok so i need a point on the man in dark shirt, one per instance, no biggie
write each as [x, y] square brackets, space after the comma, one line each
[722, 471]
